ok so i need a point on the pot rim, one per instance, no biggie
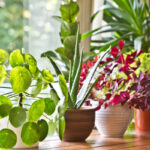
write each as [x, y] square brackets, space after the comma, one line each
[83, 109]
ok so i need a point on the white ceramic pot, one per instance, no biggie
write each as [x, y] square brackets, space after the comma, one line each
[113, 121]
[4, 123]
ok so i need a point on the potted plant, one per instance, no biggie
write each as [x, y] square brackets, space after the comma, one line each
[75, 121]
[112, 91]
[127, 20]
[21, 108]
[141, 96]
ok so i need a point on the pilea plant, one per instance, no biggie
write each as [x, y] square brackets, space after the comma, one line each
[62, 55]
[21, 102]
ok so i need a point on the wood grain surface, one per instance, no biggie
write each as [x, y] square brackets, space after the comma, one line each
[97, 142]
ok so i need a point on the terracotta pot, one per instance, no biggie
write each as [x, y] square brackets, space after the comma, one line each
[142, 121]
[79, 124]
[113, 121]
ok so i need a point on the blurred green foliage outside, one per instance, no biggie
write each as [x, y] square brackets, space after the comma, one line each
[11, 24]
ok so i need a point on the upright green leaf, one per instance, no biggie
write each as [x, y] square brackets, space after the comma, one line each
[3, 74]
[16, 59]
[20, 79]
[17, 116]
[30, 133]
[83, 90]
[76, 55]
[8, 139]
[4, 56]
[61, 127]
[69, 11]
[63, 86]
[36, 110]
[74, 89]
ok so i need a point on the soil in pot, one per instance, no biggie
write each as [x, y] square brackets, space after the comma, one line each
[79, 124]
[142, 122]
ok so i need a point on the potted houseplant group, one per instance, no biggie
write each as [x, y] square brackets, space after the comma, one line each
[21, 125]
[115, 79]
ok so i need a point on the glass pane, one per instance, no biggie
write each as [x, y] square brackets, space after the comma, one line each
[11, 24]
[41, 30]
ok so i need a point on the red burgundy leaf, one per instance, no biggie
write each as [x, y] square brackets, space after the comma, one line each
[121, 45]
[114, 52]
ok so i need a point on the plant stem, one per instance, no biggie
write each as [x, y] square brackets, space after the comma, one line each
[21, 99]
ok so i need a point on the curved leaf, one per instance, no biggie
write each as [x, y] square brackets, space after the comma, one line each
[4, 56]
[16, 59]
[5, 106]
[36, 110]
[49, 106]
[20, 79]
[48, 77]
[43, 129]
[8, 139]
[30, 133]
[17, 116]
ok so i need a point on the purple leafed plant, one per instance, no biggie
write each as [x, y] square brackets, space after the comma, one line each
[141, 92]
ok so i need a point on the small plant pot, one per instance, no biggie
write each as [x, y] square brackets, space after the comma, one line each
[79, 124]
[142, 122]
[113, 121]
[4, 123]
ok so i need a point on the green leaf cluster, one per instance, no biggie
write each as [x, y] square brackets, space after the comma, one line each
[62, 55]
[27, 81]
[127, 20]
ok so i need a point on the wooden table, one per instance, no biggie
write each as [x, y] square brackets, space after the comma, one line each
[96, 142]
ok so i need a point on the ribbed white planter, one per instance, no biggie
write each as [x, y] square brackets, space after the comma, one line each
[113, 121]
[4, 123]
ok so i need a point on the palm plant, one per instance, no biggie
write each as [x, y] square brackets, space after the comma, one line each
[128, 20]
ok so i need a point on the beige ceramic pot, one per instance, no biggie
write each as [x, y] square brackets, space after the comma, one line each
[4, 123]
[113, 121]
[79, 124]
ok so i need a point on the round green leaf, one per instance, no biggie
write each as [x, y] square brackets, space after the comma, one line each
[8, 139]
[36, 110]
[17, 116]
[20, 79]
[36, 89]
[3, 74]
[30, 133]
[16, 59]
[49, 106]
[31, 61]
[54, 96]
[5, 106]
[43, 127]
[4, 56]
[48, 77]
